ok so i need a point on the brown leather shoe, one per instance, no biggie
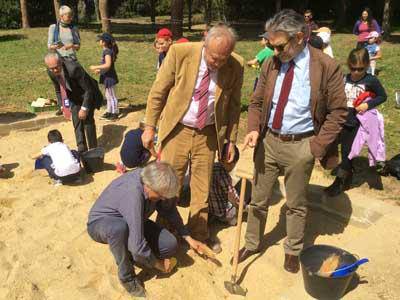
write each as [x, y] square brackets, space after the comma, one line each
[244, 254]
[291, 263]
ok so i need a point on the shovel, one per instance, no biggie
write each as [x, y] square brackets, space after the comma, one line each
[345, 270]
[232, 286]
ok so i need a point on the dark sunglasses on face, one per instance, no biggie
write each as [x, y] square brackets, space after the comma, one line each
[307, 16]
[357, 69]
[280, 47]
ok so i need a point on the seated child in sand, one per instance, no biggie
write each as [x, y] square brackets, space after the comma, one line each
[61, 163]
[132, 152]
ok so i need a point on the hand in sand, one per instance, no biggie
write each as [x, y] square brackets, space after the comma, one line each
[166, 265]
[199, 247]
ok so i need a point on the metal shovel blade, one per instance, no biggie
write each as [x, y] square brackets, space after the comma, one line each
[235, 289]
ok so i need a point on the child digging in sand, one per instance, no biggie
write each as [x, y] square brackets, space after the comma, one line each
[61, 163]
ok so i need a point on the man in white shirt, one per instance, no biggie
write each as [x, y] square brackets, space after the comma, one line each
[197, 89]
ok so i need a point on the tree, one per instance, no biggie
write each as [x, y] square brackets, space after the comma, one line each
[278, 5]
[24, 14]
[153, 12]
[177, 18]
[386, 19]
[207, 11]
[105, 20]
[341, 13]
[57, 8]
[190, 5]
[97, 10]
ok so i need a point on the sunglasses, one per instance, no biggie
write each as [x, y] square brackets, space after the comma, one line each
[307, 16]
[357, 69]
[280, 47]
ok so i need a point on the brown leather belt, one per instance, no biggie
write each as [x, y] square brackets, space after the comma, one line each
[291, 137]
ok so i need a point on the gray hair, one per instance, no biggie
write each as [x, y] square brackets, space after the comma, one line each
[161, 178]
[65, 10]
[51, 55]
[287, 21]
[222, 30]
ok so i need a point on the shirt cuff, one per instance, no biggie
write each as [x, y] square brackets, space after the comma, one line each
[84, 108]
[183, 231]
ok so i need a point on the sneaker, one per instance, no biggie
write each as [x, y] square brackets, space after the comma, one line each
[120, 168]
[57, 182]
[105, 116]
[341, 184]
[134, 288]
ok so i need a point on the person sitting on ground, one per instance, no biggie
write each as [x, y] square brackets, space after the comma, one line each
[325, 34]
[132, 152]
[261, 56]
[61, 163]
[374, 51]
[223, 197]
[120, 218]
[162, 43]
[356, 83]
[108, 75]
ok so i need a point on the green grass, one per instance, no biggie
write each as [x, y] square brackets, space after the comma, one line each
[24, 78]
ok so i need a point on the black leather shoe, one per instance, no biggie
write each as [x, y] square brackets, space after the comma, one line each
[244, 254]
[134, 288]
[291, 264]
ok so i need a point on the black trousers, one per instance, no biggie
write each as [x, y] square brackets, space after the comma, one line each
[346, 142]
[85, 130]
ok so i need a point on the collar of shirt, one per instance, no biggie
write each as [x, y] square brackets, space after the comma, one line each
[300, 61]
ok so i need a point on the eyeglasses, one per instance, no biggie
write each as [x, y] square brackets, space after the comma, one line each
[280, 47]
[357, 69]
[307, 16]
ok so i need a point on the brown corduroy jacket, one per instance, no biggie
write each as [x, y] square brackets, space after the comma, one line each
[328, 104]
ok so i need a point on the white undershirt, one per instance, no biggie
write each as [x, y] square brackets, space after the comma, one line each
[190, 118]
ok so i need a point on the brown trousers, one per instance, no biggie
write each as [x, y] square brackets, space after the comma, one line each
[296, 161]
[186, 144]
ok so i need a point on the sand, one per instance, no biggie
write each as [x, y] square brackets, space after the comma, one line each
[46, 253]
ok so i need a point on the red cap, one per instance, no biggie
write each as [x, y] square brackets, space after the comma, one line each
[182, 40]
[164, 33]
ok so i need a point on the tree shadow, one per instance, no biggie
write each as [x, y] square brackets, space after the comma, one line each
[10, 117]
[394, 39]
[363, 173]
[12, 37]
[111, 137]
[124, 111]
[8, 173]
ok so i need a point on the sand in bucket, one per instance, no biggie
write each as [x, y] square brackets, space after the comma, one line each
[329, 265]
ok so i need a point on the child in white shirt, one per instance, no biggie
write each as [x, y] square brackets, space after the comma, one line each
[61, 163]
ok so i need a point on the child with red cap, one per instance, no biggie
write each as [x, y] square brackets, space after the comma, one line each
[162, 43]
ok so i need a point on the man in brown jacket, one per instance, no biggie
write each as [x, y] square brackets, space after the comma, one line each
[295, 116]
[196, 96]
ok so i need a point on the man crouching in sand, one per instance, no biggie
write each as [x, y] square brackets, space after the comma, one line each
[120, 218]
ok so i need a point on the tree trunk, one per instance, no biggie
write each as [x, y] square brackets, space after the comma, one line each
[190, 4]
[207, 11]
[24, 14]
[57, 9]
[386, 19]
[341, 13]
[105, 20]
[153, 12]
[278, 5]
[75, 11]
[97, 10]
[177, 18]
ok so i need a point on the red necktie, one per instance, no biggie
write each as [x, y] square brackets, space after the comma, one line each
[63, 91]
[283, 97]
[201, 95]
